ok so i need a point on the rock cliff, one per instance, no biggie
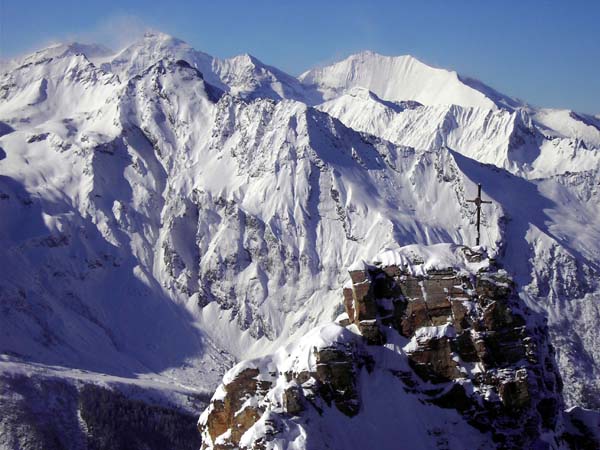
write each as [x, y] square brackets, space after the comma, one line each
[434, 333]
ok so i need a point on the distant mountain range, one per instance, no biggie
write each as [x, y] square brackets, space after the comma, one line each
[165, 213]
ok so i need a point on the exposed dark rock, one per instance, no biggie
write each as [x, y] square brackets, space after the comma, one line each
[474, 347]
[37, 138]
[226, 414]
[293, 400]
[336, 375]
[514, 393]
[455, 398]
[483, 326]
[333, 382]
[464, 347]
[433, 361]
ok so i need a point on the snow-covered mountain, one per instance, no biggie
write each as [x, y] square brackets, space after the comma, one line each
[250, 78]
[402, 78]
[165, 213]
[433, 350]
[243, 75]
[530, 143]
[154, 46]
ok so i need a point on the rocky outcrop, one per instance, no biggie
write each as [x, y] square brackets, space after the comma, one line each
[470, 335]
[444, 321]
[231, 412]
[249, 394]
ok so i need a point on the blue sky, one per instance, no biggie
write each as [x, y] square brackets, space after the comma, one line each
[546, 52]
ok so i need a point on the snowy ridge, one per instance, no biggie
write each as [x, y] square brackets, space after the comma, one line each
[513, 140]
[396, 78]
[250, 78]
[243, 75]
[418, 260]
[136, 58]
[140, 191]
[47, 88]
[93, 52]
[379, 424]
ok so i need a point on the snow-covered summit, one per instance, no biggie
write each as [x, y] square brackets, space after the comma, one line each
[61, 50]
[408, 342]
[247, 76]
[55, 83]
[155, 46]
[243, 75]
[418, 260]
[396, 78]
[137, 199]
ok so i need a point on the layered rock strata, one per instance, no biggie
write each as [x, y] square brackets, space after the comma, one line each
[442, 324]
[470, 335]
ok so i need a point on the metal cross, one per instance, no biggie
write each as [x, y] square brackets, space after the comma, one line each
[478, 202]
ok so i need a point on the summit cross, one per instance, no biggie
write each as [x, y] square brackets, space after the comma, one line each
[478, 202]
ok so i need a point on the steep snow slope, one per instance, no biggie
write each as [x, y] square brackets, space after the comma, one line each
[243, 75]
[93, 52]
[154, 46]
[398, 78]
[314, 197]
[49, 85]
[154, 227]
[380, 423]
[250, 78]
[533, 143]
[560, 123]
[81, 203]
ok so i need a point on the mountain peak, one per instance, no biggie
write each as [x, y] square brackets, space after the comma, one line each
[157, 41]
[373, 54]
[153, 47]
[370, 57]
[246, 59]
[74, 48]
[398, 78]
[89, 50]
[249, 77]
[159, 36]
[60, 50]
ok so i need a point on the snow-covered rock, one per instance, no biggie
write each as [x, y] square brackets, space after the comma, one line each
[153, 47]
[250, 78]
[438, 349]
[159, 223]
[242, 75]
[401, 78]
[533, 144]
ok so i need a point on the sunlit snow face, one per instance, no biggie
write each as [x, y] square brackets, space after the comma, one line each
[226, 223]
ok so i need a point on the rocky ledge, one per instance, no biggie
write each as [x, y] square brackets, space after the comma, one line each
[435, 350]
